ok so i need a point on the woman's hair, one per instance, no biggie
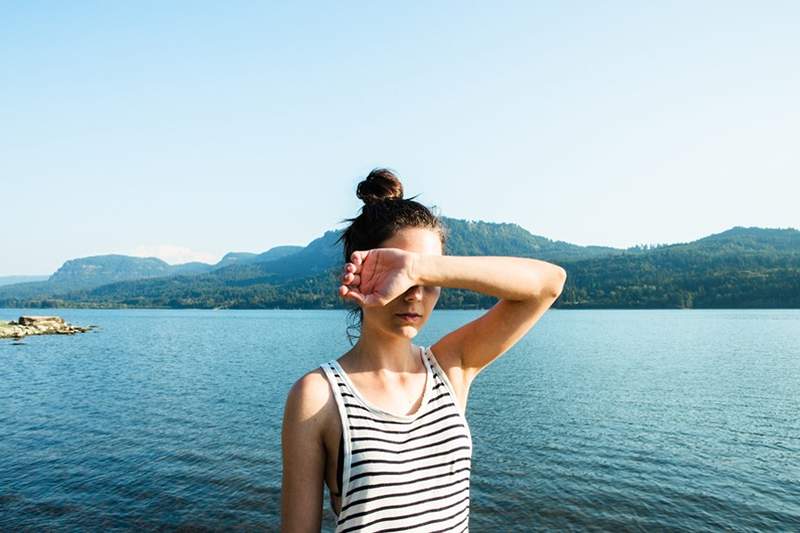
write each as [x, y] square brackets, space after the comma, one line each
[384, 212]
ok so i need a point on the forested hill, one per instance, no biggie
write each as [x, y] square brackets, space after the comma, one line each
[466, 237]
[95, 271]
[738, 268]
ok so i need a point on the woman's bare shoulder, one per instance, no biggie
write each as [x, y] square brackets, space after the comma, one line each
[310, 399]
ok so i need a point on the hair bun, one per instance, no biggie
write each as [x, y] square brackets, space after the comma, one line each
[381, 184]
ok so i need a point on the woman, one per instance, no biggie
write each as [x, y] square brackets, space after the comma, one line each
[384, 425]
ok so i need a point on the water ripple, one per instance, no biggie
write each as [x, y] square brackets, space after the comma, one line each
[595, 421]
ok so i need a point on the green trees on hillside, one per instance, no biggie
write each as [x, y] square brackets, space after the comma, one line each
[739, 268]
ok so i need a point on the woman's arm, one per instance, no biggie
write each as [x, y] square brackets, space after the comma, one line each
[526, 289]
[303, 455]
[507, 278]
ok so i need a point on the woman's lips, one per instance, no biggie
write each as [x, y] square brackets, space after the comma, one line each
[409, 317]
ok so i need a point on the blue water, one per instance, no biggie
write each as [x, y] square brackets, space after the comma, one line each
[597, 420]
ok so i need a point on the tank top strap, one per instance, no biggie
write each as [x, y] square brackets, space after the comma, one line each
[443, 388]
[341, 391]
[339, 383]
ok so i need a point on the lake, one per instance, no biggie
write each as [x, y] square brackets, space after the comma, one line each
[596, 420]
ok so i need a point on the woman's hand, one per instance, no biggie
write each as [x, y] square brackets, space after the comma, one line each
[378, 276]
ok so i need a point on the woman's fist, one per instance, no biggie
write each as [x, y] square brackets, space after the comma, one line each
[378, 276]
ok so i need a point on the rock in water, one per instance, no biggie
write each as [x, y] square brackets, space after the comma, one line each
[41, 320]
[38, 325]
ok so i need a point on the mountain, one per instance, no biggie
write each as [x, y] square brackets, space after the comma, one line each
[11, 280]
[318, 255]
[759, 240]
[469, 237]
[95, 271]
[277, 252]
[738, 268]
[89, 272]
[195, 267]
[741, 267]
[232, 258]
[240, 258]
[101, 269]
[246, 285]
[301, 278]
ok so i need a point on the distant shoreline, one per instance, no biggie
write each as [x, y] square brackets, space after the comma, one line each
[569, 308]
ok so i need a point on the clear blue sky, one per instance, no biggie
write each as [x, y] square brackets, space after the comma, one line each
[190, 129]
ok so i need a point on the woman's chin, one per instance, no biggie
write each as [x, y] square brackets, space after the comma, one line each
[408, 332]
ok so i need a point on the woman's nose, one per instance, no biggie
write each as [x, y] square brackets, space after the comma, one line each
[414, 293]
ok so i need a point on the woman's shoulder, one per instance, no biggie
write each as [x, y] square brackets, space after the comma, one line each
[310, 384]
[310, 397]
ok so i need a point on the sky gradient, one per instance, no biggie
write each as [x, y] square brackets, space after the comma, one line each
[186, 130]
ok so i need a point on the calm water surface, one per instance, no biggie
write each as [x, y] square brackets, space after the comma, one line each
[597, 420]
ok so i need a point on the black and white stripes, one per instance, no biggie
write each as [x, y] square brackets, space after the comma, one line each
[403, 472]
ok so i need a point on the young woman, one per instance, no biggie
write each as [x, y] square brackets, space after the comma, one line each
[384, 425]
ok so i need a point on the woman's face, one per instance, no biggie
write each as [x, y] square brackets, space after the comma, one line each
[417, 299]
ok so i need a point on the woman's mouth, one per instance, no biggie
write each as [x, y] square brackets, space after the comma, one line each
[409, 317]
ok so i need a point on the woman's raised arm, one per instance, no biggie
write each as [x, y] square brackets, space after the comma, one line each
[526, 289]
[507, 278]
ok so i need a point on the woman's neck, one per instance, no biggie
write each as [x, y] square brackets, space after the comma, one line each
[376, 353]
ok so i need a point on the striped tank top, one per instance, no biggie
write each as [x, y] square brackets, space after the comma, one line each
[403, 472]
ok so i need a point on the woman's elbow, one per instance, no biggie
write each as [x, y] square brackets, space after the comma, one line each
[556, 285]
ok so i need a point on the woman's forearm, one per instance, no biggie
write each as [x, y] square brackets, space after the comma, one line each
[508, 278]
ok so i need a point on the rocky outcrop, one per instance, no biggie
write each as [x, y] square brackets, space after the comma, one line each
[39, 325]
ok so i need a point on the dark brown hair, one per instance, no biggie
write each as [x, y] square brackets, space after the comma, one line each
[384, 212]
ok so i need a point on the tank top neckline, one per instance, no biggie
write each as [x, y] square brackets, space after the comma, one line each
[425, 395]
